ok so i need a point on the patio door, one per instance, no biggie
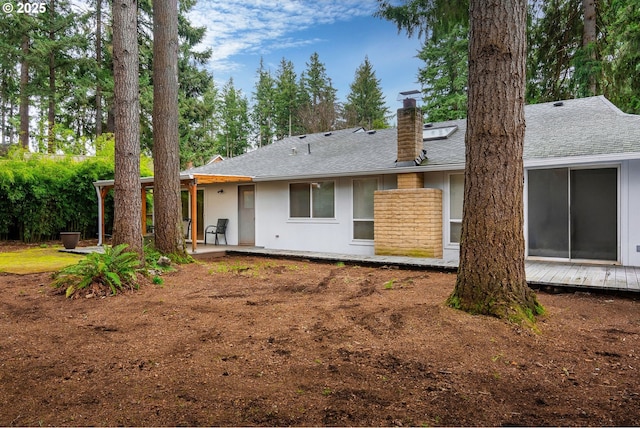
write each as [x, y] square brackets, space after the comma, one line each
[573, 213]
[246, 215]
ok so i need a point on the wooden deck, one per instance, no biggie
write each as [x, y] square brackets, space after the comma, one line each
[584, 276]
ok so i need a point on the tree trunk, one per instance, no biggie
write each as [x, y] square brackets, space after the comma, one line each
[111, 121]
[98, 67]
[491, 277]
[51, 110]
[24, 96]
[589, 37]
[127, 222]
[166, 148]
[3, 106]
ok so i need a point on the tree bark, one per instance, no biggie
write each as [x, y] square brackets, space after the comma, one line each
[491, 278]
[98, 67]
[169, 237]
[589, 37]
[127, 225]
[3, 106]
[24, 95]
[51, 110]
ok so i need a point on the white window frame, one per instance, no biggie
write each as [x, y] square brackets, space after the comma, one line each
[311, 217]
[449, 219]
[353, 219]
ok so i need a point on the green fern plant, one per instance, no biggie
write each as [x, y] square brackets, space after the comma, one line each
[115, 268]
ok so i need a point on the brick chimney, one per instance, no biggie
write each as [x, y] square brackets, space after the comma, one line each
[409, 134]
[407, 221]
[410, 142]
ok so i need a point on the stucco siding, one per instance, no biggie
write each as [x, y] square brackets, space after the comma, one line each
[276, 230]
[222, 205]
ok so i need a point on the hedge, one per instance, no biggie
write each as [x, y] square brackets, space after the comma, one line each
[43, 196]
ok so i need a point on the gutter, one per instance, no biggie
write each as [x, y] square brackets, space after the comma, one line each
[386, 171]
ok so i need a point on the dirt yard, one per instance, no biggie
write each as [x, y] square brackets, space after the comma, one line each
[256, 341]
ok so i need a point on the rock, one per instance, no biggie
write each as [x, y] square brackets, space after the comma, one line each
[164, 261]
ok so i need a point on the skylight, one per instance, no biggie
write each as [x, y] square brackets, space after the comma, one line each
[438, 133]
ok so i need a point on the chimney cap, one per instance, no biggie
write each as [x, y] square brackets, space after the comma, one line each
[412, 94]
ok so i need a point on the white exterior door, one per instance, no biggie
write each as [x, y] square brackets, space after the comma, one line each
[246, 215]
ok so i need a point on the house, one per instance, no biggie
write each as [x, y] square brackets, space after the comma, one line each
[399, 191]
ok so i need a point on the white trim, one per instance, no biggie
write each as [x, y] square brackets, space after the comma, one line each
[586, 160]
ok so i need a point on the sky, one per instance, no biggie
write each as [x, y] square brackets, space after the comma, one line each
[342, 32]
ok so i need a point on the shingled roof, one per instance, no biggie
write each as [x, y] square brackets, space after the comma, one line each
[577, 129]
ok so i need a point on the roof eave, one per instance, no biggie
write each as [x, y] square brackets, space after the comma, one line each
[199, 178]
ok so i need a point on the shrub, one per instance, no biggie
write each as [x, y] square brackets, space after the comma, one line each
[43, 195]
[115, 269]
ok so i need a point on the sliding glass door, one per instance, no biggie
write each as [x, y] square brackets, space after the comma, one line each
[573, 213]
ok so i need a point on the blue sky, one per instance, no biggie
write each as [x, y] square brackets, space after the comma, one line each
[342, 32]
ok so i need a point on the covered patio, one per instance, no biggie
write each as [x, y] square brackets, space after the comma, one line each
[189, 182]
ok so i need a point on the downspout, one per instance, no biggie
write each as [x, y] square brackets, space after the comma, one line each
[193, 190]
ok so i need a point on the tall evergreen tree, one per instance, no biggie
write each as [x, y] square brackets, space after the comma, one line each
[233, 138]
[98, 99]
[60, 41]
[428, 18]
[491, 277]
[317, 111]
[444, 76]
[624, 51]
[24, 91]
[286, 100]
[127, 223]
[566, 44]
[169, 237]
[365, 102]
[11, 39]
[444, 25]
[263, 112]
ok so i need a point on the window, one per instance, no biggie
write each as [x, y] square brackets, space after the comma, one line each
[363, 207]
[456, 196]
[312, 200]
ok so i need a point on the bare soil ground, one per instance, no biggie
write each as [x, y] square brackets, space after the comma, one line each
[257, 341]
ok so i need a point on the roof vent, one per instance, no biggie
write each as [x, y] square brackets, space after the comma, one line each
[294, 151]
[428, 125]
[302, 136]
[371, 131]
[326, 134]
[558, 104]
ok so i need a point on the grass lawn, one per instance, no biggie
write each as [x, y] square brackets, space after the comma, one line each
[36, 260]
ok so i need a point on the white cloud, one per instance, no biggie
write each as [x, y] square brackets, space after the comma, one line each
[261, 26]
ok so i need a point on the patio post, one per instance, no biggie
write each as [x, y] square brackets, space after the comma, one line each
[144, 209]
[193, 192]
[100, 215]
